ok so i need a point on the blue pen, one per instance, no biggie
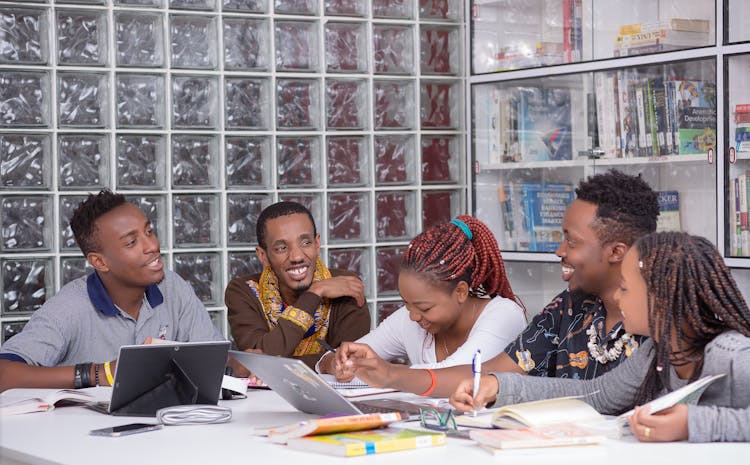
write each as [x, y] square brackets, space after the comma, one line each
[476, 368]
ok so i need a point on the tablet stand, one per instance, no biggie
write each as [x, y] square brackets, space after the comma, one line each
[175, 388]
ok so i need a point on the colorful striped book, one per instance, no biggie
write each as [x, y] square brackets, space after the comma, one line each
[368, 442]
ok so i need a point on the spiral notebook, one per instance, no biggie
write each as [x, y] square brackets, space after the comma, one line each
[355, 387]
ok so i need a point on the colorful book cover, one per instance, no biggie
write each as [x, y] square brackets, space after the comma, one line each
[319, 426]
[368, 442]
[669, 211]
[695, 105]
[515, 211]
[742, 139]
[544, 208]
[544, 124]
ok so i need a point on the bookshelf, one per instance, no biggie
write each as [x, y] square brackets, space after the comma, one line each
[561, 90]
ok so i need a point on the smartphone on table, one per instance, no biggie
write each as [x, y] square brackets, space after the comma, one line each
[124, 430]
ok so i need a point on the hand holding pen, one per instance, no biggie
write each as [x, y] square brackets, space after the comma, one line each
[476, 369]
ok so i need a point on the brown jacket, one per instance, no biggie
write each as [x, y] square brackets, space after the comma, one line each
[249, 325]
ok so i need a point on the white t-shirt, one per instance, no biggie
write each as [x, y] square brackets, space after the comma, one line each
[397, 336]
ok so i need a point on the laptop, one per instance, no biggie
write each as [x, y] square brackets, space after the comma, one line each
[308, 392]
[153, 376]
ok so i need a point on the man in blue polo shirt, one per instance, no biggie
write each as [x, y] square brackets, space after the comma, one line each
[129, 299]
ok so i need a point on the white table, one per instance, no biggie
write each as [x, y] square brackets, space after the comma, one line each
[61, 437]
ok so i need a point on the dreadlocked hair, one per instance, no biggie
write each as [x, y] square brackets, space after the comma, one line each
[692, 298]
[448, 256]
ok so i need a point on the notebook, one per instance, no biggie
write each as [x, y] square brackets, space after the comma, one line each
[354, 388]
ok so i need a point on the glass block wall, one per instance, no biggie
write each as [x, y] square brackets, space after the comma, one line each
[203, 112]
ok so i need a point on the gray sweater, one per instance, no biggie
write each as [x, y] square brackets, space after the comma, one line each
[722, 414]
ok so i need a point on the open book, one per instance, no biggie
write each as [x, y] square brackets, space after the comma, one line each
[536, 413]
[17, 401]
[689, 394]
[282, 434]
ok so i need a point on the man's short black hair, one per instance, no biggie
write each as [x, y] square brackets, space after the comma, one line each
[275, 211]
[83, 222]
[627, 207]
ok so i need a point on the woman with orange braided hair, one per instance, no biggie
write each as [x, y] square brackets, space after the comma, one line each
[457, 300]
[677, 289]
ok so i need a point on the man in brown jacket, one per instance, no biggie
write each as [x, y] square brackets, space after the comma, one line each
[296, 300]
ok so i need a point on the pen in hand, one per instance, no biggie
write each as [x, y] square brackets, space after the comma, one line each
[326, 345]
[476, 368]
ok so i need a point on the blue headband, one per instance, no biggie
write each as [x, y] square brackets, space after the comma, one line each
[464, 227]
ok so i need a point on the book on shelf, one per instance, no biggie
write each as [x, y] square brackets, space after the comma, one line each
[562, 434]
[742, 113]
[695, 106]
[674, 24]
[661, 127]
[544, 124]
[535, 414]
[643, 49]
[532, 214]
[669, 211]
[663, 36]
[644, 131]
[654, 116]
[742, 138]
[734, 216]
[626, 108]
[368, 442]
[607, 121]
[739, 219]
[17, 401]
[282, 434]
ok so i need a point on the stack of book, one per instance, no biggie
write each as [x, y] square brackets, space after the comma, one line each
[661, 36]
[351, 435]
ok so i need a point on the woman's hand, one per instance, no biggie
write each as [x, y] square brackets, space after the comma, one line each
[666, 426]
[329, 366]
[361, 361]
[465, 400]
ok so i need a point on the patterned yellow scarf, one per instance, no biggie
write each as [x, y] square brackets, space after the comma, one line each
[267, 291]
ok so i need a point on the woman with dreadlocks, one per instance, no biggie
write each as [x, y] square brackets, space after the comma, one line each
[457, 300]
[677, 289]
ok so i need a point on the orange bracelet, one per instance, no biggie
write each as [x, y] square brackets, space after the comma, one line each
[433, 383]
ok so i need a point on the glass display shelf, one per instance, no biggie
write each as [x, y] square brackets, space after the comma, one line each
[737, 139]
[534, 139]
[518, 34]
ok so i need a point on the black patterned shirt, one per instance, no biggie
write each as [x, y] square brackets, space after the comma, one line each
[555, 343]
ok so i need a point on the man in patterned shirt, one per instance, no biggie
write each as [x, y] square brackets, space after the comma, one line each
[577, 335]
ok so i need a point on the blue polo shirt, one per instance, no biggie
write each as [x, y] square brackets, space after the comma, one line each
[80, 323]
